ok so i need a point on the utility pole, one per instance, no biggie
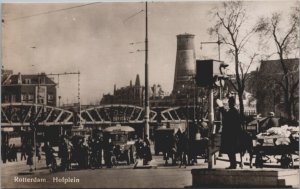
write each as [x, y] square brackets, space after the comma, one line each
[78, 97]
[147, 108]
[211, 110]
[146, 98]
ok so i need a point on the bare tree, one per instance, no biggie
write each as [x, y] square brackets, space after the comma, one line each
[233, 30]
[284, 35]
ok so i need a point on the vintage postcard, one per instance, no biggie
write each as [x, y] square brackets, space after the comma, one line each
[150, 94]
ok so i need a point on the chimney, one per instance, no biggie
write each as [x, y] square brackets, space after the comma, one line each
[19, 78]
[185, 62]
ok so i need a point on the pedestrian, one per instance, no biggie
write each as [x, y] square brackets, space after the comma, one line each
[92, 142]
[52, 159]
[23, 151]
[63, 153]
[38, 152]
[271, 122]
[29, 152]
[9, 153]
[47, 150]
[4, 148]
[100, 147]
[108, 153]
[139, 148]
[231, 131]
[147, 150]
[14, 152]
[183, 148]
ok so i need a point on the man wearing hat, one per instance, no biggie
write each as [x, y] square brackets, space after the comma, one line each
[230, 137]
[271, 122]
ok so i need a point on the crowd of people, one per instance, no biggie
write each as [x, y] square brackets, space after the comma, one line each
[94, 152]
[9, 153]
[97, 150]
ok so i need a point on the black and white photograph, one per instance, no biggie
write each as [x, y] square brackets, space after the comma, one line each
[150, 94]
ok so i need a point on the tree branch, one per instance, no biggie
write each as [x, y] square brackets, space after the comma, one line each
[235, 88]
[294, 86]
[247, 69]
[289, 33]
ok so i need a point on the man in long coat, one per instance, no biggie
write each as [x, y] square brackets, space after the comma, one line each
[64, 154]
[230, 137]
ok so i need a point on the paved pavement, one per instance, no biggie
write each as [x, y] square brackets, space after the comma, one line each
[122, 176]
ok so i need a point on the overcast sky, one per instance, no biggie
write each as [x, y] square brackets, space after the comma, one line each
[95, 40]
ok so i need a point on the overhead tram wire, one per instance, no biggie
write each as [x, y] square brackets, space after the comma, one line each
[138, 42]
[49, 12]
[132, 16]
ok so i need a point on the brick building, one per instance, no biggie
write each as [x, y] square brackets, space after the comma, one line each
[38, 88]
[269, 91]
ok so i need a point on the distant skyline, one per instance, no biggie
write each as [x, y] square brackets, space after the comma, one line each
[95, 40]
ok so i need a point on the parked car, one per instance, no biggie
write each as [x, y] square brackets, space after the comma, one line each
[122, 139]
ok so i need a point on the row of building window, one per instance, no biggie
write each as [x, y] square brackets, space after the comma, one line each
[41, 80]
[29, 98]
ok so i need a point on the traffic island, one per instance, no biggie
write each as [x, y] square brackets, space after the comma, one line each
[237, 178]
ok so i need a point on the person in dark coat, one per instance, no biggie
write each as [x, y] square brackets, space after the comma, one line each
[47, 150]
[64, 155]
[230, 137]
[30, 153]
[82, 155]
[147, 148]
[9, 154]
[139, 148]
[23, 152]
[14, 153]
[4, 148]
[183, 148]
[38, 152]
[108, 152]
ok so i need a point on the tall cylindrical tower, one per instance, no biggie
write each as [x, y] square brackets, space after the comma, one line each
[185, 63]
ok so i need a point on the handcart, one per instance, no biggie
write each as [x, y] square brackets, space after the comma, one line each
[285, 146]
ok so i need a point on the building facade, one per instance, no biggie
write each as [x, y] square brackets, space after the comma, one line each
[270, 87]
[38, 89]
[133, 94]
